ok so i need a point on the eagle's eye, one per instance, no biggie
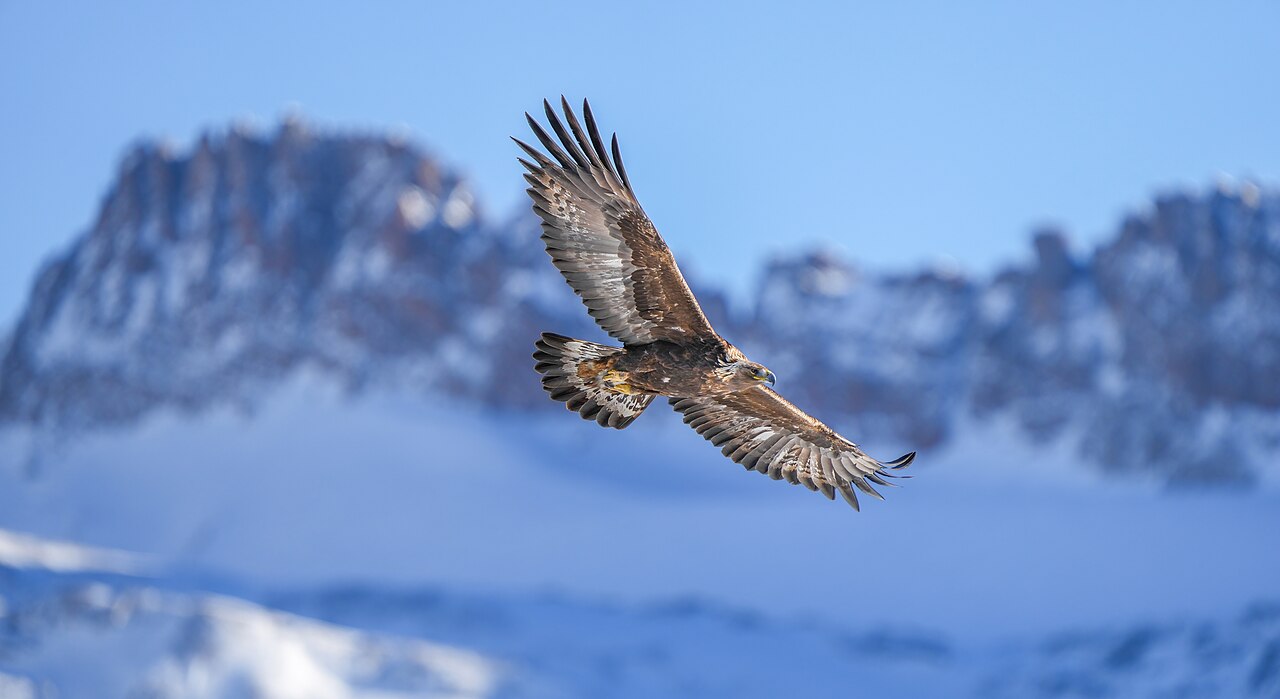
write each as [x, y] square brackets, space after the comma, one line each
[762, 374]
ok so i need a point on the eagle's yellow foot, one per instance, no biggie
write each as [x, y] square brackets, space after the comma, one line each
[616, 382]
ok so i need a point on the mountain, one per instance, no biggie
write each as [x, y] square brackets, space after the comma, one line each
[68, 628]
[208, 276]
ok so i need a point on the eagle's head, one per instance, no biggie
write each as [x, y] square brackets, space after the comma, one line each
[744, 374]
[739, 373]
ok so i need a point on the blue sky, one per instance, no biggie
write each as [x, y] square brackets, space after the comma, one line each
[900, 133]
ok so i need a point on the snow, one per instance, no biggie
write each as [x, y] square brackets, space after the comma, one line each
[12, 687]
[415, 208]
[377, 263]
[290, 657]
[142, 312]
[346, 267]
[458, 208]
[101, 640]
[62, 337]
[87, 634]
[391, 490]
[23, 551]
[241, 272]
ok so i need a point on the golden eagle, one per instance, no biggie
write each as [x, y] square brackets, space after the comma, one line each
[608, 250]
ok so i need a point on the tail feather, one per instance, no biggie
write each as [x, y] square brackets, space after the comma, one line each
[560, 359]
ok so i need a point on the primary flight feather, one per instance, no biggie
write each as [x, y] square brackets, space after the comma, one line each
[611, 254]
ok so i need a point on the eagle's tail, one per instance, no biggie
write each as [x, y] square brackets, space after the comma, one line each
[575, 372]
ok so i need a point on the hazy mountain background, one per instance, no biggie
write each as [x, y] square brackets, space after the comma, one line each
[287, 370]
[210, 276]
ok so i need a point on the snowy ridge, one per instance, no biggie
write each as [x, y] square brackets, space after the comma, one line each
[117, 637]
[208, 276]
[21, 551]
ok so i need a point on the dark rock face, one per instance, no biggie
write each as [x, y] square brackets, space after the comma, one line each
[891, 353]
[208, 276]
[1195, 290]
[1199, 283]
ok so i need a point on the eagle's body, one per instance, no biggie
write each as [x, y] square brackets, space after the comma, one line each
[672, 369]
[612, 256]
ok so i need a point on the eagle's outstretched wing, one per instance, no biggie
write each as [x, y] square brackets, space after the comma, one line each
[602, 241]
[763, 431]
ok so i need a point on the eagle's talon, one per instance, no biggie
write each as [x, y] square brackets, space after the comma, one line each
[616, 381]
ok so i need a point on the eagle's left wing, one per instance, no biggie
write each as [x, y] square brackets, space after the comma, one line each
[763, 431]
[601, 240]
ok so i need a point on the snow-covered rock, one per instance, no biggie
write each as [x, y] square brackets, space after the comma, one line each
[208, 276]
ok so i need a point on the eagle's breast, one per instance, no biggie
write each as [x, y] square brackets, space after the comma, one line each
[673, 369]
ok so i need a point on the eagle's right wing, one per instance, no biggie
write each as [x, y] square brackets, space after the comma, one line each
[763, 431]
[602, 241]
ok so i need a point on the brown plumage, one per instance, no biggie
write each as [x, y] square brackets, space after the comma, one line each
[611, 254]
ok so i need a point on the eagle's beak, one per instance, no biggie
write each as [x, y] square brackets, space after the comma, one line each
[769, 377]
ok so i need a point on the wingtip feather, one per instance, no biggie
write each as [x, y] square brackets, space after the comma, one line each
[902, 461]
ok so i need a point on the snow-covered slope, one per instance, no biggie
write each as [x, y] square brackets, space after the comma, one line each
[23, 551]
[208, 276]
[110, 637]
[88, 633]
[317, 487]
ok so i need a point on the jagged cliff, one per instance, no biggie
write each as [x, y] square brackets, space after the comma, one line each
[207, 276]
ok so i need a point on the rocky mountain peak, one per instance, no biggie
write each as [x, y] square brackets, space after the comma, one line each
[208, 275]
